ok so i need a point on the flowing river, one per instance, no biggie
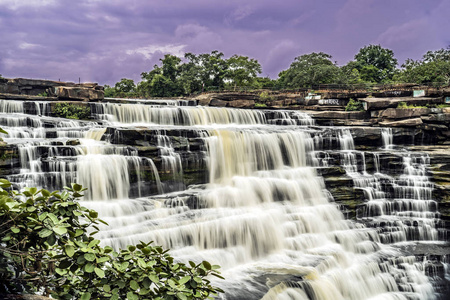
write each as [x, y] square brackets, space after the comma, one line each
[259, 208]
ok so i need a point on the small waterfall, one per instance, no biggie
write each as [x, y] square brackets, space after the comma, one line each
[401, 208]
[387, 138]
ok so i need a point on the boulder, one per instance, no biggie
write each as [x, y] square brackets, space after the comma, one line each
[79, 93]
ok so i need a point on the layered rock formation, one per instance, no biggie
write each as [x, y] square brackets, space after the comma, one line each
[34, 89]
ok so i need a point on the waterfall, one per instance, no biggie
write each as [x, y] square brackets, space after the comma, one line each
[263, 211]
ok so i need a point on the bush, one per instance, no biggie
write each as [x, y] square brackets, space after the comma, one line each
[354, 105]
[264, 97]
[46, 248]
[260, 105]
[71, 111]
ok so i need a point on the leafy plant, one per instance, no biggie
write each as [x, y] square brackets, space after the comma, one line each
[71, 111]
[47, 246]
[264, 97]
[43, 94]
[260, 105]
[354, 105]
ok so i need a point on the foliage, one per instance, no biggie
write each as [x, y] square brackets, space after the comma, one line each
[48, 247]
[354, 105]
[309, 69]
[434, 67]
[264, 97]
[125, 87]
[43, 94]
[375, 64]
[260, 105]
[71, 111]
[242, 71]
[110, 92]
[402, 104]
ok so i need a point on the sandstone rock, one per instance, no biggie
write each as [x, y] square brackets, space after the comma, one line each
[78, 93]
[339, 115]
[241, 103]
[437, 118]
[399, 113]
[218, 103]
[403, 123]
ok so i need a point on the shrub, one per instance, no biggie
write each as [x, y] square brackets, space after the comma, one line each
[47, 246]
[354, 105]
[260, 105]
[264, 97]
[71, 111]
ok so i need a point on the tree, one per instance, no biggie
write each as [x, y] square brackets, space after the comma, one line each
[309, 69]
[376, 64]
[162, 81]
[110, 92]
[47, 245]
[434, 67]
[125, 88]
[213, 69]
[242, 70]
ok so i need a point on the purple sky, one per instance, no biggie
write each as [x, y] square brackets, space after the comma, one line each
[106, 40]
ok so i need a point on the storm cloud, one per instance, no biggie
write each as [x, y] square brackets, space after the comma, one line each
[106, 40]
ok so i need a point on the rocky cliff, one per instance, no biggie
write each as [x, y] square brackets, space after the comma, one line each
[36, 89]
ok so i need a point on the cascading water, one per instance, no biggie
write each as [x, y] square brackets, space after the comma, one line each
[264, 215]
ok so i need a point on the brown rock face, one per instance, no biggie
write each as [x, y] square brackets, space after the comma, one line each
[78, 93]
[403, 123]
[396, 113]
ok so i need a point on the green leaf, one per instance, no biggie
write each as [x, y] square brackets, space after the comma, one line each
[89, 268]
[181, 296]
[45, 193]
[100, 273]
[89, 256]
[134, 285]
[45, 233]
[60, 230]
[76, 187]
[131, 248]
[207, 265]
[93, 214]
[107, 288]
[15, 229]
[43, 216]
[70, 250]
[184, 279]
[154, 278]
[103, 259]
[78, 232]
[4, 183]
[86, 296]
[132, 296]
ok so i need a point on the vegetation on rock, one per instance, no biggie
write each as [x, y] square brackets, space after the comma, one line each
[354, 105]
[47, 247]
[71, 111]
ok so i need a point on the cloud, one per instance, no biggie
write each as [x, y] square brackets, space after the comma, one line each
[16, 4]
[105, 40]
[149, 51]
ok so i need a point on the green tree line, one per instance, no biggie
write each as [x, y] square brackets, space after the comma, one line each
[373, 64]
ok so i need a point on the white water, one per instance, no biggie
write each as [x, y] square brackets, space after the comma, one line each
[265, 215]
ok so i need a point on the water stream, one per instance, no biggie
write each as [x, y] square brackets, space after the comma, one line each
[262, 211]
